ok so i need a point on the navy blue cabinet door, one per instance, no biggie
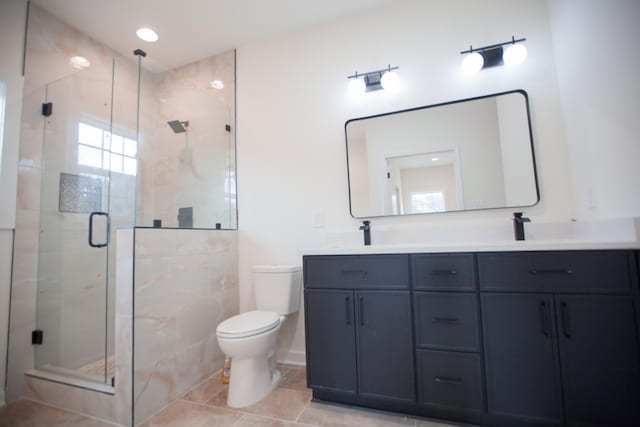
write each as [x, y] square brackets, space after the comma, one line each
[521, 362]
[385, 345]
[331, 340]
[599, 356]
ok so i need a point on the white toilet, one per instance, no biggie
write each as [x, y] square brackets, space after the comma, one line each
[250, 338]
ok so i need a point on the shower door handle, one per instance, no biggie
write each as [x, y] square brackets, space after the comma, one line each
[99, 245]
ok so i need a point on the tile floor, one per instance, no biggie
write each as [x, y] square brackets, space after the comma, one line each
[289, 405]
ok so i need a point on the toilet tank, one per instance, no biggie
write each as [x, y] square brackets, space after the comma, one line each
[277, 288]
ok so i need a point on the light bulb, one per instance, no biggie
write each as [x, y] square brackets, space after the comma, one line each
[357, 86]
[472, 63]
[147, 34]
[514, 55]
[79, 62]
[389, 80]
[217, 84]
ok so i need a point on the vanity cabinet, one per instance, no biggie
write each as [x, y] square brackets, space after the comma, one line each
[359, 333]
[568, 357]
[491, 338]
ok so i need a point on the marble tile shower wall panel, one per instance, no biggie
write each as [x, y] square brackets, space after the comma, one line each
[186, 282]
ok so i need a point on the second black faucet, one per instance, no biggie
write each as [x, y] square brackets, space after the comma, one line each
[518, 225]
[366, 228]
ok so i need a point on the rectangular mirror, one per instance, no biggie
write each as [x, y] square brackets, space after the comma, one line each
[462, 155]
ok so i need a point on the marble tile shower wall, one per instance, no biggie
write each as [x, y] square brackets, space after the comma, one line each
[186, 282]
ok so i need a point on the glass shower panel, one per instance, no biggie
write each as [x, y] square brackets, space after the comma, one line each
[187, 141]
[86, 193]
[123, 173]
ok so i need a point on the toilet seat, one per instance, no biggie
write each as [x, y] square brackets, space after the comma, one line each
[248, 324]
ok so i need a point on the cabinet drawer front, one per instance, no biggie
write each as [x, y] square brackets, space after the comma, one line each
[568, 271]
[446, 321]
[450, 380]
[356, 271]
[443, 272]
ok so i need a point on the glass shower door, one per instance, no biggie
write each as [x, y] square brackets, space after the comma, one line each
[88, 189]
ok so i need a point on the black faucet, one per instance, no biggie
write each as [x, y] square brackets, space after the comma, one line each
[518, 225]
[366, 228]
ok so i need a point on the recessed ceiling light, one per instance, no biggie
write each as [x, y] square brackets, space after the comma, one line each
[217, 84]
[80, 62]
[147, 34]
[434, 159]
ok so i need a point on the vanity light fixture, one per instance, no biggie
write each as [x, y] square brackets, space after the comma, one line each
[80, 62]
[494, 55]
[386, 78]
[147, 35]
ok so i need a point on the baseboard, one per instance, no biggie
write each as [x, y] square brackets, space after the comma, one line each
[294, 358]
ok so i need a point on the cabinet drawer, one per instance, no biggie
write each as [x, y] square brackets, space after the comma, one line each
[443, 271]
[566, 271]
[446, 320]
[356, 271]
[450, 380]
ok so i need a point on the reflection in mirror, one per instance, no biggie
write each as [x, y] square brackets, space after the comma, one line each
[463, 155]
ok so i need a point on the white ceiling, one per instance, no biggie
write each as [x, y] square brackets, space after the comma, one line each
[194, 29]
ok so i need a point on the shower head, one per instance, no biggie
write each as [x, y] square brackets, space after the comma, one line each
[177, 126]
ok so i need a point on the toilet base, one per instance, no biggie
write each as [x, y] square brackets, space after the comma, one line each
[251, 381]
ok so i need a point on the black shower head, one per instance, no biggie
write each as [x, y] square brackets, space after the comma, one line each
[177, 126]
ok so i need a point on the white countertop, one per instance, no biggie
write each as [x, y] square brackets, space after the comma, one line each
[526, 245]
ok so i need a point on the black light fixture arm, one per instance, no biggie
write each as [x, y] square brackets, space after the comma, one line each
[384, 70]
[493, 46]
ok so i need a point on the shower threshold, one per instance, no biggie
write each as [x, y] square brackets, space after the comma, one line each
[71, 378]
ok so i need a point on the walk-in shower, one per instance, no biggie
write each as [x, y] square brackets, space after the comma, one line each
[109, 315]
[110, 161]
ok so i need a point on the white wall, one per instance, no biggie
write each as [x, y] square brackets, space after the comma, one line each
[293, 102]
[12, 29]
[596, 48]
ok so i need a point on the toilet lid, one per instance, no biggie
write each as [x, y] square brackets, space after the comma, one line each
[248, 324]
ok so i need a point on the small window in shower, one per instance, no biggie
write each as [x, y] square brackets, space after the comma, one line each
[101, 149]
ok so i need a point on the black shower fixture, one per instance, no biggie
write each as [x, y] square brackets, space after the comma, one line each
[177, 126]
